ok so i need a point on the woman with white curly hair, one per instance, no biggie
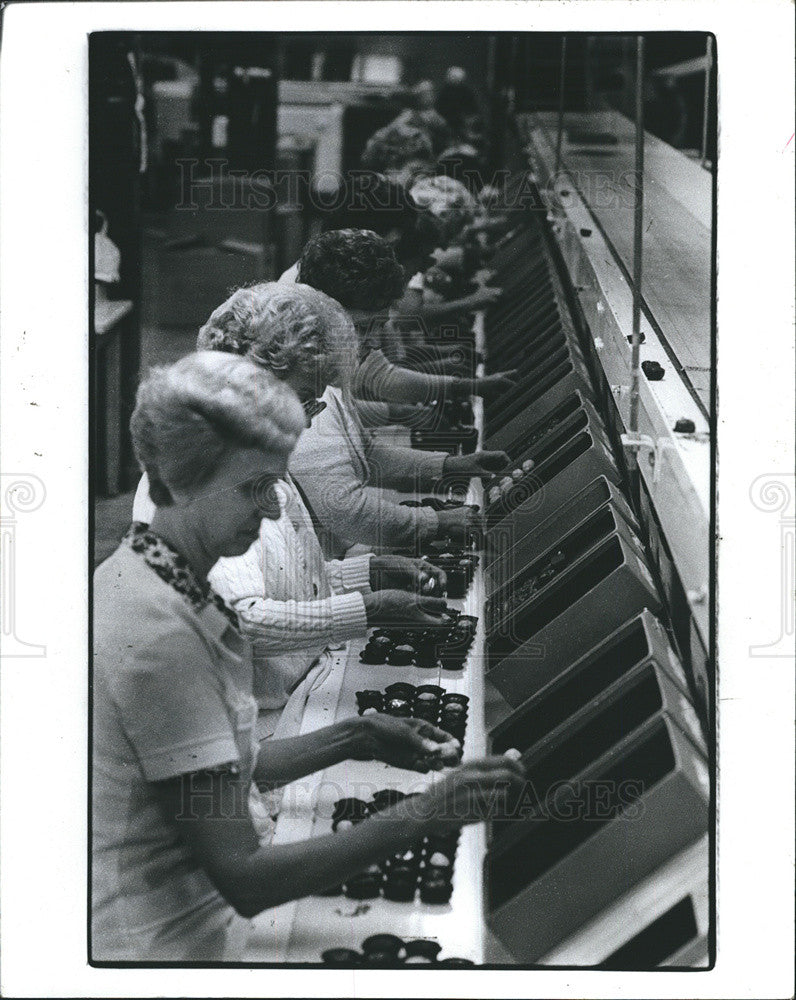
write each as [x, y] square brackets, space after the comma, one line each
[178, 866]
[292, 603]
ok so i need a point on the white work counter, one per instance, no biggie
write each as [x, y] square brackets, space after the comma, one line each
[299, 931]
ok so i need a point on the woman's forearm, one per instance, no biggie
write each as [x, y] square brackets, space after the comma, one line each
[282, 761]
[283, 626]
[272, 875]
[441, 310]
[210, 812]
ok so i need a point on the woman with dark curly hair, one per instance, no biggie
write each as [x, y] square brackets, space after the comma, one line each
[359, 269]
[371, 200]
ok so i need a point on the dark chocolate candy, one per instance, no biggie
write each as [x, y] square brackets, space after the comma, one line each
[364, 886]
[386, 797]
[401, 689]
[421, 948]
[369, 700]
[398, 707]
[388, 943]
[401, 656]
[400, 884]
[341, 956]
[435, 889]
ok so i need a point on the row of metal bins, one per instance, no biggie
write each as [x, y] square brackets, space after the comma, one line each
[581, 677]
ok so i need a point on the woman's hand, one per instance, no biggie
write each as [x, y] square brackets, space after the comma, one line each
[461, 524]
[483, 297]
[403, 573]
[416, 416]
[480, 463]
[473, 792]
[397, 607]
[409, 743]
[491, 386]
[450, 259]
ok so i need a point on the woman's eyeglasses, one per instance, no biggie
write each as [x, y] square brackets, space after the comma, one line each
[312, 407]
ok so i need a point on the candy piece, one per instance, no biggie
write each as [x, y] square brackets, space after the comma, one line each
[439, 860]
[426, 713]
[457, 583]
[377, 649]
[350, 809]
[388, 943]
[400, 889]
[527, 465]
[386, 797]
[363, 887]
[435, 889]
[341, 956]
[369, 701]
[401, 689]
[430, 690]
[653, 370]
[427, 656]
[422, 949]
[381, 958]
[513, 754]
[401, 656]
[398, 707]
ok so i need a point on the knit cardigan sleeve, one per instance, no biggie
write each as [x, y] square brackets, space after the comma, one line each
[377, 378]
[330, 463]
[281, 626]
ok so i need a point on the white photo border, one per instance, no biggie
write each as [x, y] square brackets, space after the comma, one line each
[44, 433]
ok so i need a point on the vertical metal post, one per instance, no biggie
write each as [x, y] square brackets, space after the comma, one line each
[562, 78]
[491, 64]
[706, 99]
[638, 221]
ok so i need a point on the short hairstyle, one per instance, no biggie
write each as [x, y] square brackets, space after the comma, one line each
[448, 200]
[285, 327]
[371, 200]
[355, 266]
[380, 203]
[429, 121]
[392, 146]
[189, 414]
[462, 161]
